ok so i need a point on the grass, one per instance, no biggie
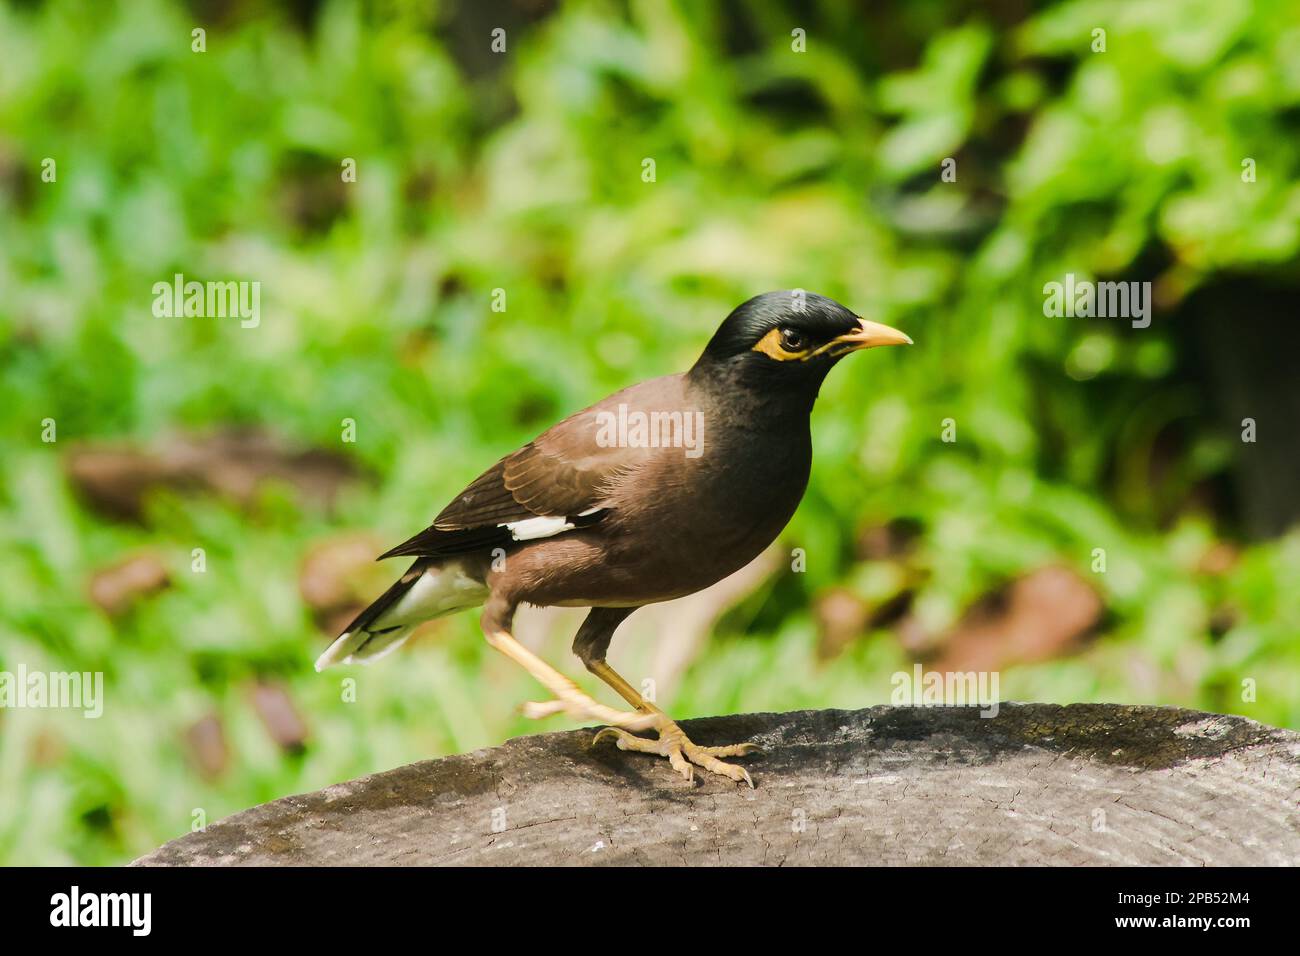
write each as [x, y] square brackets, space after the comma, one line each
[525, 173]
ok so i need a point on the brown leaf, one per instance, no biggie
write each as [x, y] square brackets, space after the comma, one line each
[339, 575]
[206, 739]
[279, 716]
[1043, 615]
[119, 586]
[116, 478]
[841, 616]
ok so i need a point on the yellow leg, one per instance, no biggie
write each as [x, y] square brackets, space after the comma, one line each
[683, 754]
[569, 698]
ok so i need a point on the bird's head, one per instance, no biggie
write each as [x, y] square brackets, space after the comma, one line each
[790, 338]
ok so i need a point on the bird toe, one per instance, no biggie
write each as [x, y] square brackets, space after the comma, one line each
[683, 754]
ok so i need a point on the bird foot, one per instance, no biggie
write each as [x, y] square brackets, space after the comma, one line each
[683, 754]
[580, 706]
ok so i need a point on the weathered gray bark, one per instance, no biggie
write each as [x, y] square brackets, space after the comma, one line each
[1037, 784]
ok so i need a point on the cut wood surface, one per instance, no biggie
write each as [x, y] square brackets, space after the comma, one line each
[1084, 784]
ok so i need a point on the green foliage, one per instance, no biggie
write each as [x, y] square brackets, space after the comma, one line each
[523, 172]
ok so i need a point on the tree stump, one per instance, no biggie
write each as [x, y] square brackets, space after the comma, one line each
[1085, 784]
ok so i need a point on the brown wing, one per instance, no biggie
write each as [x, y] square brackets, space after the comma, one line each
[564, 473]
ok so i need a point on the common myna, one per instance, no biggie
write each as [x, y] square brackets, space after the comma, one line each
[656, 492]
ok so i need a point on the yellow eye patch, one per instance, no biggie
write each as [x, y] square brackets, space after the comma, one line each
[770, 345]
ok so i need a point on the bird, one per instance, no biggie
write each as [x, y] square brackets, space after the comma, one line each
[654, 493]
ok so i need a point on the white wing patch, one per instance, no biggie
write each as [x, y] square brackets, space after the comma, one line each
[530, 529]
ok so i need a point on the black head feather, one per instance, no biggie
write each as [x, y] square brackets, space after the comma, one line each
[800, 320]
[814, 316]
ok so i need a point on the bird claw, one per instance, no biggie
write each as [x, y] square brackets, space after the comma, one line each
[683, 754]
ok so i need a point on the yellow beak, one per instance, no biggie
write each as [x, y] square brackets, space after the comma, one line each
[867, 336]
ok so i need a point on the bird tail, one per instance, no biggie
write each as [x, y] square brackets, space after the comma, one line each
[428, 590]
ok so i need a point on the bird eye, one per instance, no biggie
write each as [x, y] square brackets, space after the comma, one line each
[791, 340]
